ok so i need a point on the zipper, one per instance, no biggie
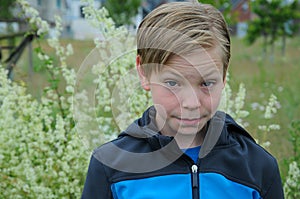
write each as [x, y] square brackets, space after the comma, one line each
[195, 182]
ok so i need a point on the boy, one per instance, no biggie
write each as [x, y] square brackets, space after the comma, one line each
[182, 147]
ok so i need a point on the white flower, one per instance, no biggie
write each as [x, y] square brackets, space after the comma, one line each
[271, 108]
[69, 50]
[274, 127]
[70, 89]
[262, 127]
[40, 56]
[266, 144]
[292, 182]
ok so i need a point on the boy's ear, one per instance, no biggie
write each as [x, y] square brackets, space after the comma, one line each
[143, 79]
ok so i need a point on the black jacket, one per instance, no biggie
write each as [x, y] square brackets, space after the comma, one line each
[143, 164]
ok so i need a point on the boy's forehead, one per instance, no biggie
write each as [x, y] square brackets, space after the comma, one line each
[200, 60]
[191, 72]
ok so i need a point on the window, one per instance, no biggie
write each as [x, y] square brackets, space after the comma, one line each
[58, 3]
[81, 11]
[245, 7]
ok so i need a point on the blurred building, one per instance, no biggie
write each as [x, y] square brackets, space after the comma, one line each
[49, 9]
[72, 16]
[241, 9]
[75, 26]
[148, 5]
[79, 27]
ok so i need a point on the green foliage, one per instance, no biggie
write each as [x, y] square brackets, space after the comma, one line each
[225, 7]
[122, 11]
[295, 140]
[292, 183]
[274, 19]
[6, 9]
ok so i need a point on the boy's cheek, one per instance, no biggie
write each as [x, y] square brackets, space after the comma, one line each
[164, 97]
[161, 111]
[162, 91]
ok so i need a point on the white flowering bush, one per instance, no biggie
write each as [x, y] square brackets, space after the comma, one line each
[47, 142]
[292, 182]
[234, 105]
[41, 155]
[108, 96]
[269, 112]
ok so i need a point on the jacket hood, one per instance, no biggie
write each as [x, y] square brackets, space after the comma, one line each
[141, 148]
[217, 132]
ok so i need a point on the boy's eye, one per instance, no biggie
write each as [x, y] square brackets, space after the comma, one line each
[207, 84]
[171, 83]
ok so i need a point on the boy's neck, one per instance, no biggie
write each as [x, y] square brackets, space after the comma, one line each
[190, 141]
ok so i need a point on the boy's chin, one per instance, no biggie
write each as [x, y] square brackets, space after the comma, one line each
[190, 130]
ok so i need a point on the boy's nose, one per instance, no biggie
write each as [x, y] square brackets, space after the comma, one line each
[190, 99]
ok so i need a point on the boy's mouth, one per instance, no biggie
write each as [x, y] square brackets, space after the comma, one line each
[189, 121]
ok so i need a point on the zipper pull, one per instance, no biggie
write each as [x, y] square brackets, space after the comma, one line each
[195, 176]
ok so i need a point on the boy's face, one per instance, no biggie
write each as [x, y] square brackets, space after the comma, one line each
[186, 93]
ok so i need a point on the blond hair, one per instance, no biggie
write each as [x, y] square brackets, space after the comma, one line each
[179, 28]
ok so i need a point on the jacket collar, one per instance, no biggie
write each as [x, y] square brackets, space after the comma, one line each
[217, 134]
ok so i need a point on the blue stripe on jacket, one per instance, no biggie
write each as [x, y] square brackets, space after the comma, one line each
[178, 186]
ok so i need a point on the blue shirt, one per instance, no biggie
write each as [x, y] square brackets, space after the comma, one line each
[193, 152]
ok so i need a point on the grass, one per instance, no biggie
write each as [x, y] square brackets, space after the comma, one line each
[261, 76]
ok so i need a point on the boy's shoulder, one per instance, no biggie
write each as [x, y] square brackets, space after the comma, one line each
[258, 159]
[244, 139]
[240, 158]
